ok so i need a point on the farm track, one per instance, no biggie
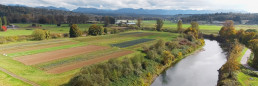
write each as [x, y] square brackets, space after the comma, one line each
[87, 62]
[245, 59]
[59, 54]
[13, 50]
[18, 77]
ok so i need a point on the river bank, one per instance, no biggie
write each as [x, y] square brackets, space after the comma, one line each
[164, 68]
[196, 69]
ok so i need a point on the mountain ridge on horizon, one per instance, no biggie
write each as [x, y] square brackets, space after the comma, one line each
[134, 11]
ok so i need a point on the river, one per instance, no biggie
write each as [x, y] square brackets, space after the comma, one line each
[199, 69]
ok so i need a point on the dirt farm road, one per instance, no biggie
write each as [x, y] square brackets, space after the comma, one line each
[245, 59]
[18, 77]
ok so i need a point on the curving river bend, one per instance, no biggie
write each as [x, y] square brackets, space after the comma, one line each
[199, 69]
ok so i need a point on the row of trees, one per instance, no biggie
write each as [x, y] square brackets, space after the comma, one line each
[230, 38]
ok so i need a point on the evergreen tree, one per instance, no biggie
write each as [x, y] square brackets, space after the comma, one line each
[179, 26]
[159, 24]
[4, 20]
[1, 29]
[106, 21]
[139, 21]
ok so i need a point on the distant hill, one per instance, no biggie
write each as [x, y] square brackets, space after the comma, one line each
[54, 8]
[147, 11]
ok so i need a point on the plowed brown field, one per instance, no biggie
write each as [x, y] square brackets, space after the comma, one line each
[59, 54]
[87, 62]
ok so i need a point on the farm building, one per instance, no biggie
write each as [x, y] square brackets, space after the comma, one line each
[127, 22]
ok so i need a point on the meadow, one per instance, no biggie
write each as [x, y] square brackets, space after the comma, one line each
[55, 72]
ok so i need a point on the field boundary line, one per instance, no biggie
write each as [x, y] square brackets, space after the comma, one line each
[18, 77]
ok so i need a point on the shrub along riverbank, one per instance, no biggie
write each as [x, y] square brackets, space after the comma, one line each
[139, 69]
[232, 41]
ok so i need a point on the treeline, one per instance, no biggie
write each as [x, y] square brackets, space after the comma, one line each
[228, 72]
[18, 14]
[232, 41]
[237, 17]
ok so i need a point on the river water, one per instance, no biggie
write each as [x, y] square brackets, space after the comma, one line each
[199, 69]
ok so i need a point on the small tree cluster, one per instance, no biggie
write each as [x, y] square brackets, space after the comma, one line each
[96, 30]
[40, 34]
[75, 31]
[228, 30]
[193, 31]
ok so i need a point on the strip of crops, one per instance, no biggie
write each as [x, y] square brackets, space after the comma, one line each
[44, 50]
[131, 43]
[53, 64]
[32, 44]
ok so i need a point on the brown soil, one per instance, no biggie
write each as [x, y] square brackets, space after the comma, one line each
[59, 54]
[13, 50]
[88, 62]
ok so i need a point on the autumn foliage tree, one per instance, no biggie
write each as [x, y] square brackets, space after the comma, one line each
[228, 30]
[193, 30]
[75, 31]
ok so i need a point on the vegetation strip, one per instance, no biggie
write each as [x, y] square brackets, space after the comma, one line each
[74, 59]
[54, 55]
[88, 62]
[131, 43]
[18, 77]
[44, 50]
[36, 47]
[31, 44]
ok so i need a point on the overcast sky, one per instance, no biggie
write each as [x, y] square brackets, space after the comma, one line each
[246, 5]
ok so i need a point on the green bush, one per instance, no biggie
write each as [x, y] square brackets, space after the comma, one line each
[75, 31]
[39, 34]
[95, 30]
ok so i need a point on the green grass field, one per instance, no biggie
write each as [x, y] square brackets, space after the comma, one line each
[26, 29]
[245, 79]
[36, 72]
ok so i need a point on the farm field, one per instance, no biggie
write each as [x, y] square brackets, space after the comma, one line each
[26, 29]
[59, 59]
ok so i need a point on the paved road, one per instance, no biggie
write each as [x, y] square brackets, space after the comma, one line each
[18, 77]
[245, 59]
